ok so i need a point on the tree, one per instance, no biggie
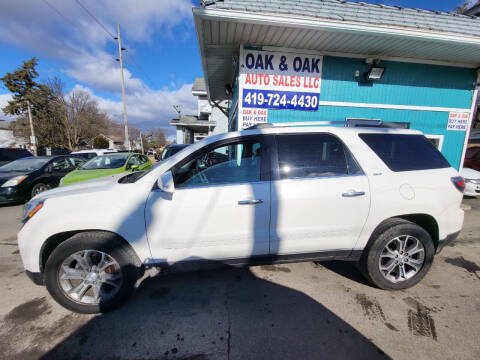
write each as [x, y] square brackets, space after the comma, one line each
[155, 138]
[60, 120]
[23, 86]
[100, 142]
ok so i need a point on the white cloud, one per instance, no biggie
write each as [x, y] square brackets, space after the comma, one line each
[64, 31]
[4, 99]
[148, 108]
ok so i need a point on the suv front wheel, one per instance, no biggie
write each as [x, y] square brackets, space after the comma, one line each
[91, 272]
[399, 256]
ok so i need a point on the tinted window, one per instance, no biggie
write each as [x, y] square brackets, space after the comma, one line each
[61, 164]
[402, 152]
[234, 163]
[171, 150]
[105, 162]
[76, 161]
[134, 160]
[313, 155]
[13, 154]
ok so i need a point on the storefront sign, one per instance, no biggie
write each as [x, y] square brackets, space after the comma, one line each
[276, 80]
[458, 121]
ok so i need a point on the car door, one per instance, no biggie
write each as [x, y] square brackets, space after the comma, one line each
[144, 163]
[320, 196]
[220, 207]
[133, 160]
[58, 168]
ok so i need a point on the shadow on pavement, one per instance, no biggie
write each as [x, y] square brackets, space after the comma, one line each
[227, 313]
[347, 269]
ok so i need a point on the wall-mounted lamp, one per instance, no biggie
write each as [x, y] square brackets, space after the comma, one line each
[375, 73]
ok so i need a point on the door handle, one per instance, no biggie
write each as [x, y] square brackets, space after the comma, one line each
[250, 202]
[353, 193]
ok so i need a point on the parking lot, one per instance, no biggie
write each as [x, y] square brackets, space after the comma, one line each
[295, 311]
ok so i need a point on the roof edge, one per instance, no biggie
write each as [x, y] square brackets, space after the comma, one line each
[332, 25]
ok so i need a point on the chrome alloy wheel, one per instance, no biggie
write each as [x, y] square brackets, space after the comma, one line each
[90, 276]
[402, 258]
[39, 189]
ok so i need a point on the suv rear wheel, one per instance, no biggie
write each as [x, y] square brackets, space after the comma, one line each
[399, 256]
[91, 272]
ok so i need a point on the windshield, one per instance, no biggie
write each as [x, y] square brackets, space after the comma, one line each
[131, 178]
[105, 162]
[25, 164]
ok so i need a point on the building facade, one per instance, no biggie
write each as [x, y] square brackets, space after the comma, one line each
[343, 64]
[209, 119]
[7, 138]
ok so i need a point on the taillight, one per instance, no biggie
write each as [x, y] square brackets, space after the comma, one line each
[459, 183]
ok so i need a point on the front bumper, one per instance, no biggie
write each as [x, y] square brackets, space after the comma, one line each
[471, 188]
[448, 240]
[11, 194]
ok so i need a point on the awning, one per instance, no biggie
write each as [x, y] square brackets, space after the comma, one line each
[222, 28]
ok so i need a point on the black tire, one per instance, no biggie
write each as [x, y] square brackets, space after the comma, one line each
[130, 268]
[38, 188]
[369, 261]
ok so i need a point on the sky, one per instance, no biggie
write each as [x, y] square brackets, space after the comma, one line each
[161, 59]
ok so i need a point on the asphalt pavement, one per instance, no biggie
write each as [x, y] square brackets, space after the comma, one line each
[295, 311]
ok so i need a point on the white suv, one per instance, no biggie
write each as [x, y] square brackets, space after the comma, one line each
[384, 198]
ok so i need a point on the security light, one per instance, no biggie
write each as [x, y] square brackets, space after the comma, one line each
[375, 73]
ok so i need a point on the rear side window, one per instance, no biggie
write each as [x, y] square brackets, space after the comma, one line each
[401, 152]
[313, 155]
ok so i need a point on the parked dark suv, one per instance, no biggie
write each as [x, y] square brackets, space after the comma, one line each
[472, 158]
[11, 154]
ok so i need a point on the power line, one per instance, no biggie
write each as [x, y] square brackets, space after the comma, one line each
[57, 11]
[95, 19]
[137, 65]
[110, 35]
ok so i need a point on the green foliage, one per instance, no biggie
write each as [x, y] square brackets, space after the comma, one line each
[100, 142]
[24, 88]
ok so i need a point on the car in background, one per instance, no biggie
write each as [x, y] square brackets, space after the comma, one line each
[472, 182]
[11, 154]
[24, 178]
[472, 158]
[90, 154]
[105, 165]
[170, 150]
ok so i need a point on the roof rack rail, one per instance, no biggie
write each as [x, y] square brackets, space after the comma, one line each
[260, 126]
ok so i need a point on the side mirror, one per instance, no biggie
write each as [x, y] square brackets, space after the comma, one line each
[134, 167]
[165, 182]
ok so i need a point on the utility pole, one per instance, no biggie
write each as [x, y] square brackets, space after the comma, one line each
[125, 122]
[33, 139]
[141, 142]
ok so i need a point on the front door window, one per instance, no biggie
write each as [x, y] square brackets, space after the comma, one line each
[235, 163]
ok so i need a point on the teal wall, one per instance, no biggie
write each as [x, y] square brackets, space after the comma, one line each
[402, 84]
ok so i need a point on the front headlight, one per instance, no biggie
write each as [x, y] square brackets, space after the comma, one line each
[31, 208]
[14, 181]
